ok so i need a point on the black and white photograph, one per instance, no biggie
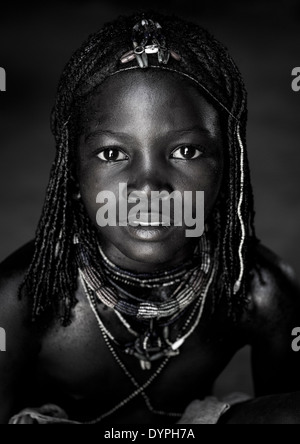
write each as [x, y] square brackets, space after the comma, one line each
[150, 214]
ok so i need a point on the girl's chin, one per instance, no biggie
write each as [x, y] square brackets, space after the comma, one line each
[146, 249]
[150, 256]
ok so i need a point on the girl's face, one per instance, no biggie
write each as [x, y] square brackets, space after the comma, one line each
[152, 131]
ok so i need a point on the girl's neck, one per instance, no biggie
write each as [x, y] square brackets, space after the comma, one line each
[121, 260]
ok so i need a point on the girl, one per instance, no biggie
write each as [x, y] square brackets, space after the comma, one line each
[133, 322]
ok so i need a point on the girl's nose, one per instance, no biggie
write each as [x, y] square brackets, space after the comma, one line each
[150, 177]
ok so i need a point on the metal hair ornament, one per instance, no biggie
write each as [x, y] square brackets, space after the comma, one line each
[148, 39]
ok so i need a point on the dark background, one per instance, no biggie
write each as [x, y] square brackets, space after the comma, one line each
[263, 37]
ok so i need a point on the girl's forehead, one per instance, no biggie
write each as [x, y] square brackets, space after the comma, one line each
[157, 94]
[146, 83]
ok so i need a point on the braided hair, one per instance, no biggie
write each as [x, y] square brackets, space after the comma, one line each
[51, 280]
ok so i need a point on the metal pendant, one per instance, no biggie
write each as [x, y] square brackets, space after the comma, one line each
[148, 350]
[145, 365]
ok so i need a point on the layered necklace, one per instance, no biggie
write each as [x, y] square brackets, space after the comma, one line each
[182, 308]
[164, 322]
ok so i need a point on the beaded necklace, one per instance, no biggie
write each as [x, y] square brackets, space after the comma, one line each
[186, 293]
[154, 342]
[142, 347]
[155, 279]
[140, 390]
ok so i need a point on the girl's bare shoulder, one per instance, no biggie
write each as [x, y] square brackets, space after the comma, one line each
[274, 294]
[13, 270]
[15, 312]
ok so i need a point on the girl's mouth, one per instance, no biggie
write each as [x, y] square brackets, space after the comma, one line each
[149, 232]
[147, 224]
[150, 220]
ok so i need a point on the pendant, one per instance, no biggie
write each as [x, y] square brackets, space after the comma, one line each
[145, 365]
[147, 349]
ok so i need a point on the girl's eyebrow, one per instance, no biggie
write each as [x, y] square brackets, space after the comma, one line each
[99, 132]
[103, 132]
[194, 128]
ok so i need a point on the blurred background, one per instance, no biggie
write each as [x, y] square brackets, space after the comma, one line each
[262, 36]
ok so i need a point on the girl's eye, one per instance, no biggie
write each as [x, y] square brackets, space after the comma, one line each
[187, 152]
[112, 155]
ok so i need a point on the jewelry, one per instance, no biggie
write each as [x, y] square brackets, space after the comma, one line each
[154, 342]
[139, 348]
[184, 295]
[143, 347]
[148, 39]
[140, 390]
[153, 280]
[238, 283]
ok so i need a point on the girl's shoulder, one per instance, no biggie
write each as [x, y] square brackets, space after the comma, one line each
[15, 312]
[13, 270]
[274, 294]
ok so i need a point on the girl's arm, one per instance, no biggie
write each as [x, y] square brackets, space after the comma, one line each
[273, 314]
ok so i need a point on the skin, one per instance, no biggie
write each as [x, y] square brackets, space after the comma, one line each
[72, 366]
[148, 159]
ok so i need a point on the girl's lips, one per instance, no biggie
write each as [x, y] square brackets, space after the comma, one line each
[148, 232]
